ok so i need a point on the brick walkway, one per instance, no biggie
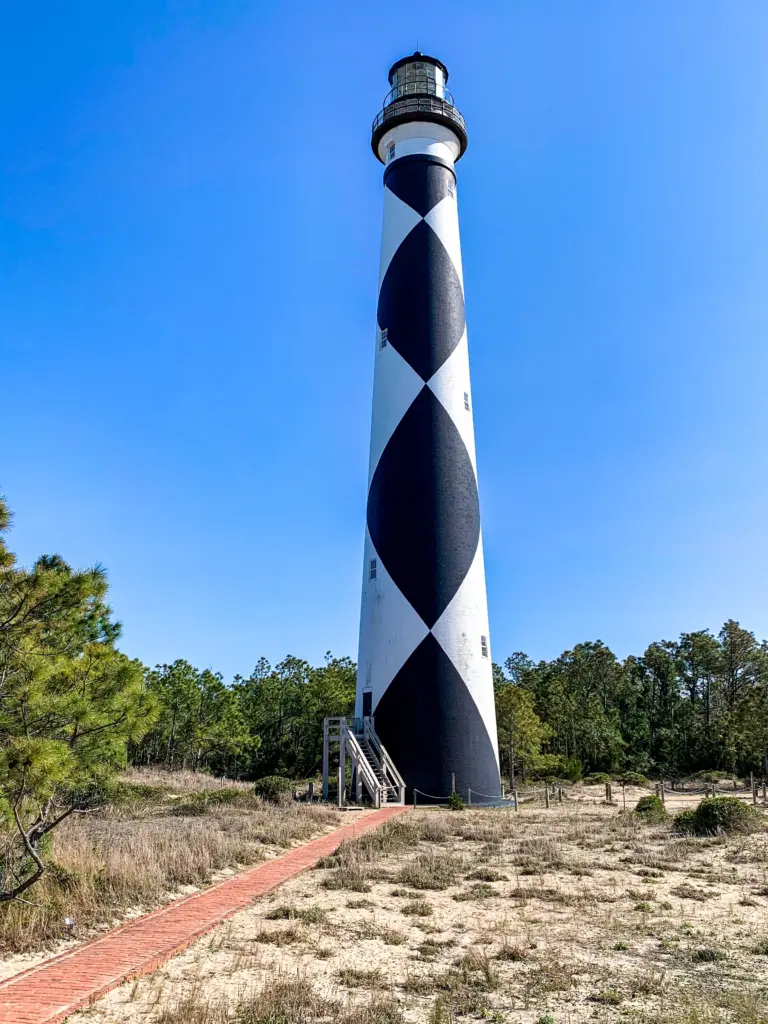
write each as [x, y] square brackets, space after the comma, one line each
[53, 990]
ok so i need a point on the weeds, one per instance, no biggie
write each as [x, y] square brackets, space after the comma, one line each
[430, 871]
[690, 892]
[608, 997]
[310, 915]
[354, 977]
[417, 908]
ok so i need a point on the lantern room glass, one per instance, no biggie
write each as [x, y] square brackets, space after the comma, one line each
[417, 78]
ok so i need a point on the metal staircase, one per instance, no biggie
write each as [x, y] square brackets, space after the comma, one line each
[372, 767]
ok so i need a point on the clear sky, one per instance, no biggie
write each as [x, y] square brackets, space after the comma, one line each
[189, 234]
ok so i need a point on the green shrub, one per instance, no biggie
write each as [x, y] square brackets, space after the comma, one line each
[685, 821]
[721, 815]
[651, 809]
[608, 997]
[455, 802]
[418, 908]
[633, 779]
[597, 779]
[274, 788]
[711, 776]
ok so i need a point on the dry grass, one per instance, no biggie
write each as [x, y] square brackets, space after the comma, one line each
[181, 781]
[282, 1001]
[576, 914]
[159, 840]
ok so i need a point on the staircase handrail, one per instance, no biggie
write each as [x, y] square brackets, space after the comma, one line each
[374, 787]
[386, 762]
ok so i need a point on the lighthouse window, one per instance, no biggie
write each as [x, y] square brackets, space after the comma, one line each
[391, 151]
[466, 400]
[484, 646]
[372, 570]
[384, 337]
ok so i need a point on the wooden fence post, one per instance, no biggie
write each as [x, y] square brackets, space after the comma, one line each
[340, 792]
[514, 796]
[325, 758]
[310, 792]
[546, 796]
[560, 794]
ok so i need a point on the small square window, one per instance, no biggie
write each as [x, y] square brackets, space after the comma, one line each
[384, 338]
[391, 152]
[466, 400]
[372, 570]
[484, 646]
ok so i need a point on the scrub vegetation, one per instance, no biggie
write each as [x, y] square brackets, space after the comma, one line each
[162, 836]
[577, 913]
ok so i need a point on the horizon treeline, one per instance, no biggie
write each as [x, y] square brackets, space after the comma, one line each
[693, 704]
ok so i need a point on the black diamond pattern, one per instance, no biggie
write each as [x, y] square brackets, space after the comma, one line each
[420, 183]
[423, 509]
[432, 729]
[421, 303]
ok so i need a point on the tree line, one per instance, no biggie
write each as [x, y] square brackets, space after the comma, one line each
[697, 703]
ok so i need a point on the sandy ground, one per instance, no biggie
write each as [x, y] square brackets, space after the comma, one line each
[578, 912]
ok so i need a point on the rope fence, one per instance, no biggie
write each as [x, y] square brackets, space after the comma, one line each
[515, 798]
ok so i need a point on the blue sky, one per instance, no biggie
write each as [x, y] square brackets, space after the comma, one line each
[189, 232]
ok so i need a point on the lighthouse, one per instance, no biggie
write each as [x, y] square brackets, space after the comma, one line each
[425, 677]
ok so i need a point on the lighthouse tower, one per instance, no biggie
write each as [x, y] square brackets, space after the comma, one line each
[424, 673]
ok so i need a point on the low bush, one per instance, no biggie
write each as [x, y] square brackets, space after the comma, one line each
[274, 788]
[651, 809]
[596, 779]
[724, 815]
[685, 821]
[711, 776]
[633, 779]
[455, 802]
[608, 997]
[418, 908]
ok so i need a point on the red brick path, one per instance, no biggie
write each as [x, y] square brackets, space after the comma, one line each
[67, 982]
